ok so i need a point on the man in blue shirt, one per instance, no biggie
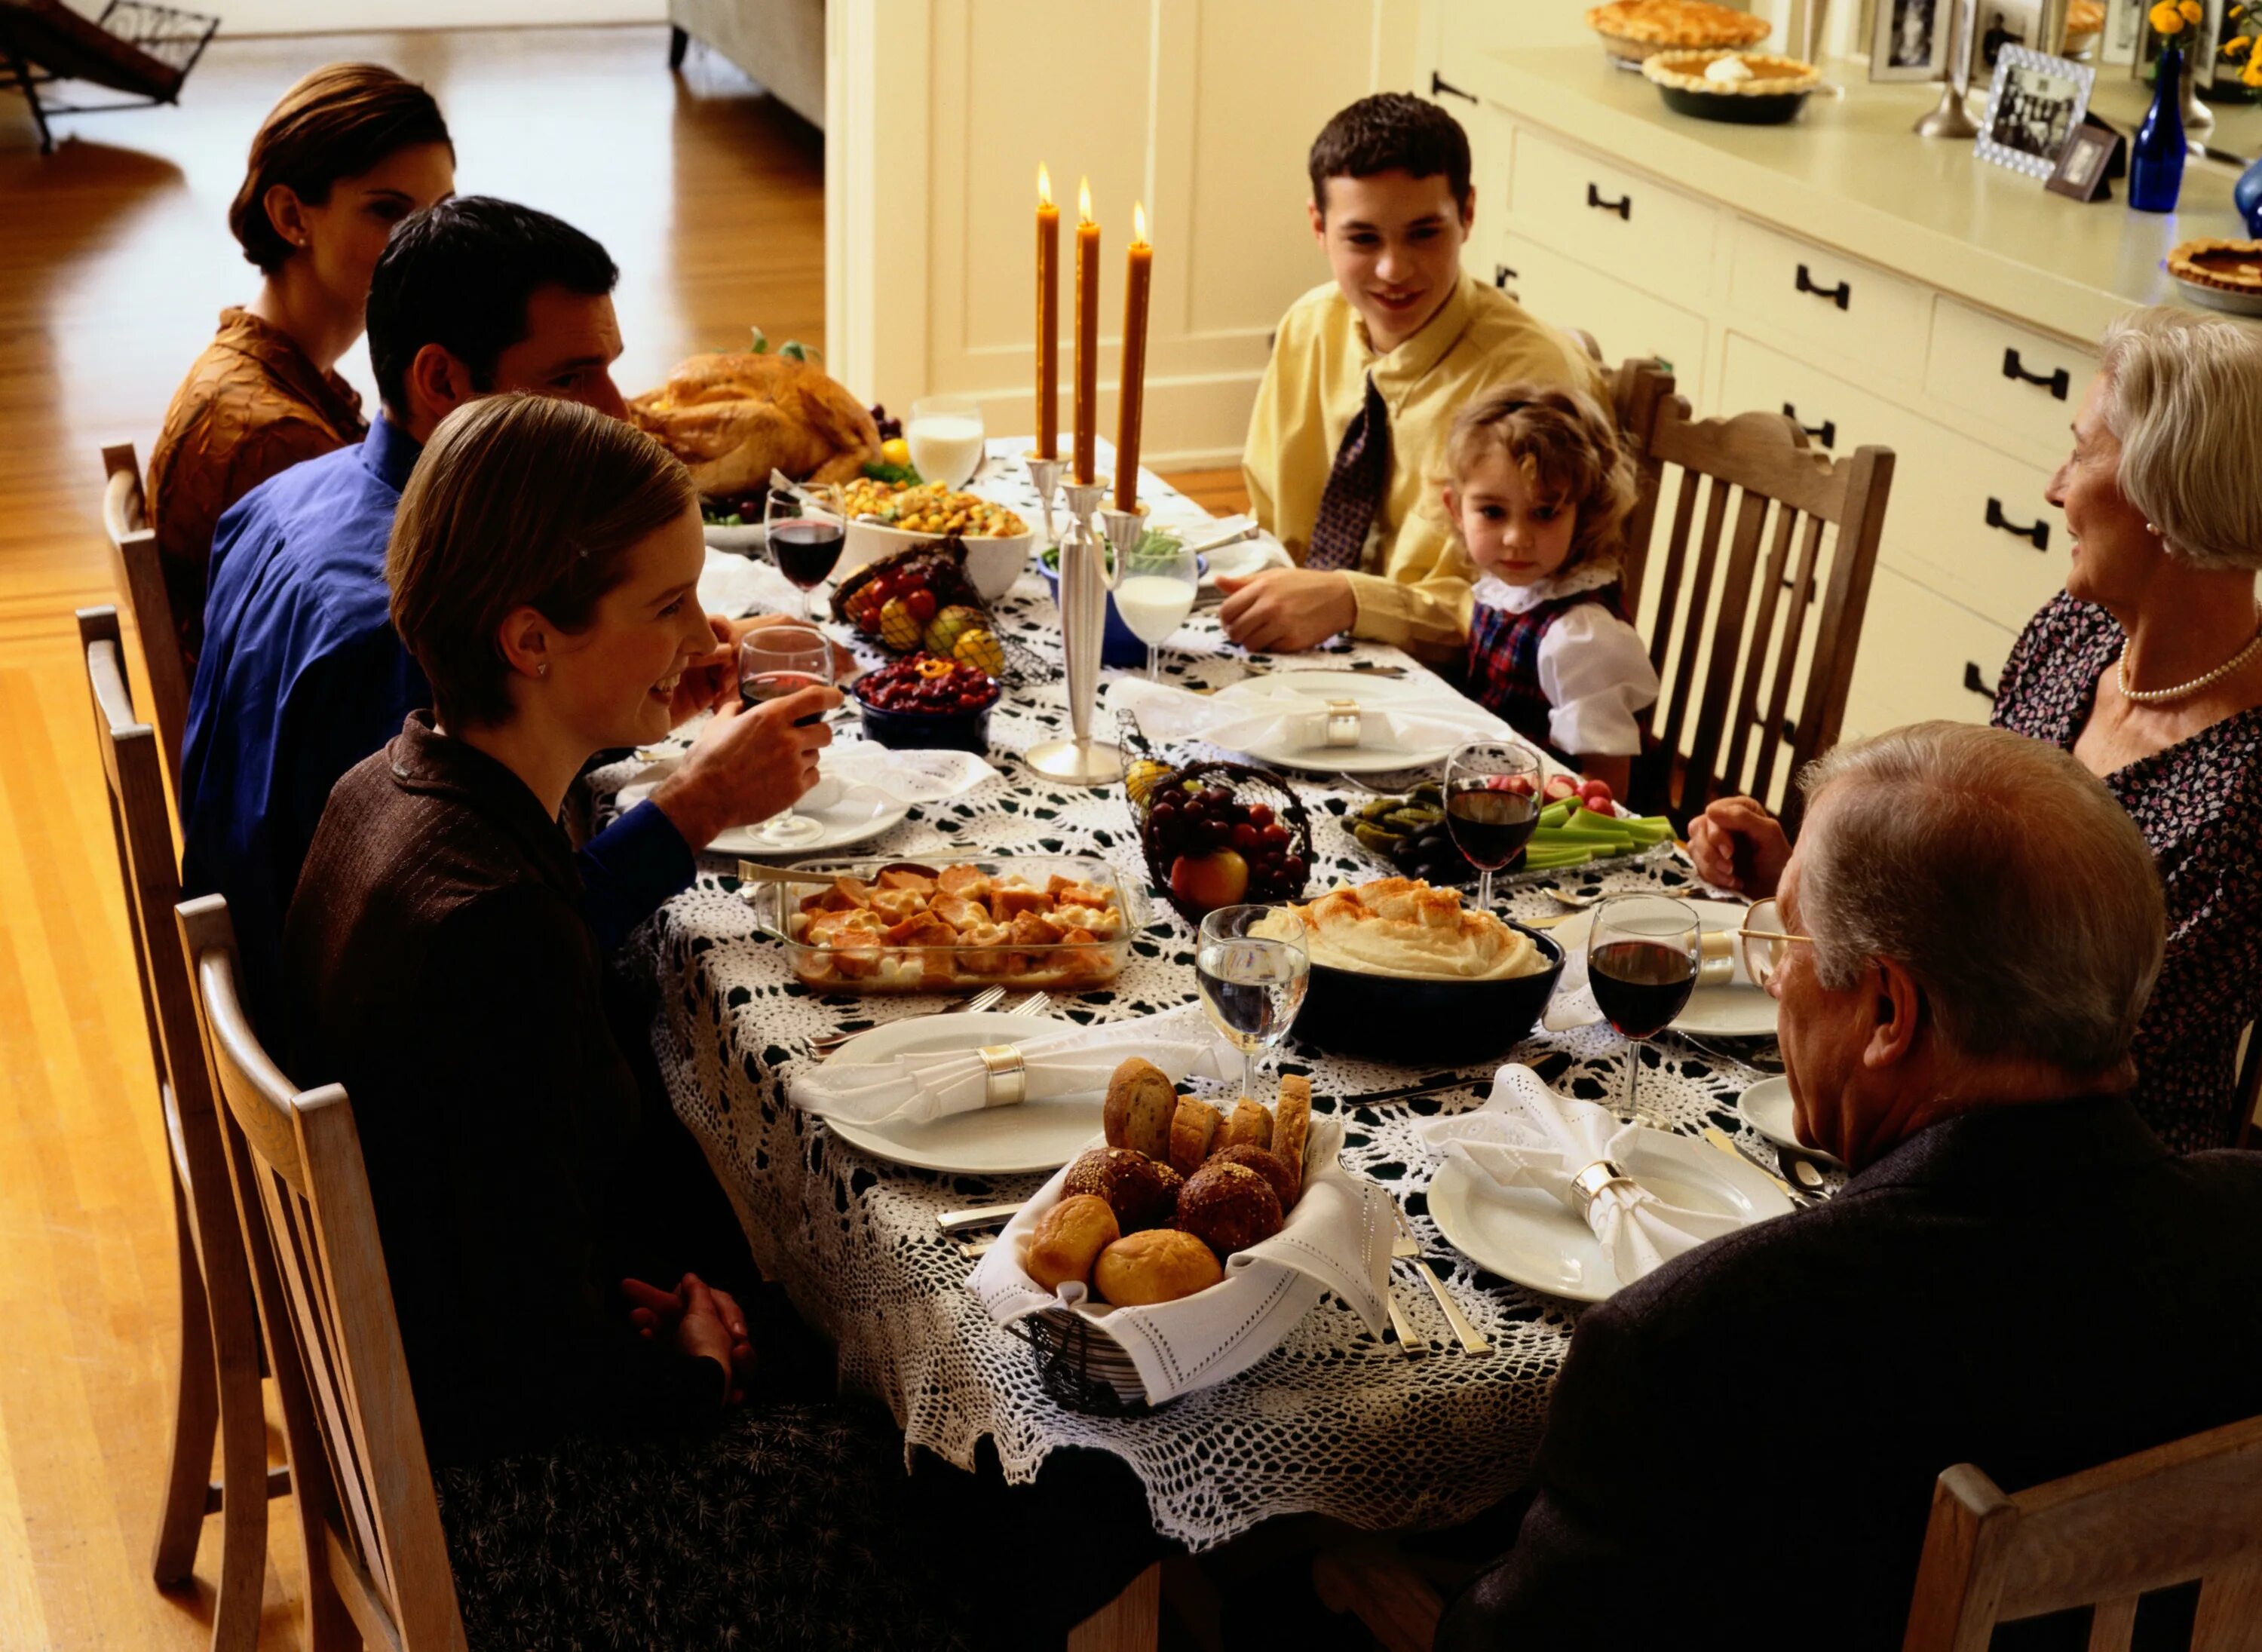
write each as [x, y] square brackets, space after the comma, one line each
[302, 674]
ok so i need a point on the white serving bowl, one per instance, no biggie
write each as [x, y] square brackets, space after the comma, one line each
[992, 562]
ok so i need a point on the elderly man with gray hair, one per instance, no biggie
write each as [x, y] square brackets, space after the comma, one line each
[2017, 1274]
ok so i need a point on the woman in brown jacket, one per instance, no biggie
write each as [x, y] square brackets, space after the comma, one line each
[350, 151]
[616, 1463]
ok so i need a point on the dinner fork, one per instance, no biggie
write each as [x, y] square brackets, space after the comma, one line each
[825, 1045]
[1406, 1249]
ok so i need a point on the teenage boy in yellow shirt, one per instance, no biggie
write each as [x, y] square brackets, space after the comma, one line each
[1366, 375]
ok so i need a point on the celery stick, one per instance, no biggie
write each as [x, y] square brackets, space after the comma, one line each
[1556, 813]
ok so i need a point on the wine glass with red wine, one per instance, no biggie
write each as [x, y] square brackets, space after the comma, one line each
[774, 662]
[804, 542]
[1492, 805]
[1642, 957]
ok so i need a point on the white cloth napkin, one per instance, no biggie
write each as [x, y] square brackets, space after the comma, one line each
[1246, 718]
[1526, 1135]
[1338, 1239]
[1239, 559]
[734, 586]
[916, 1089]
[904, 776]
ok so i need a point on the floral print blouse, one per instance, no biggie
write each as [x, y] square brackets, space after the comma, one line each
[252, 405]
[2199, 805]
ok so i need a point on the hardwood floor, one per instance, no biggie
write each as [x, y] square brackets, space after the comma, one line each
[710, 196]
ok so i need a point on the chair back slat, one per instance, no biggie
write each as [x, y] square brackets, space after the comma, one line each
[1772, 577]
[1635, 389]
[1786, 670]
[138, 568]
[326, 1278]
[1726, 644]
[1726, 635]
[2191, 1509]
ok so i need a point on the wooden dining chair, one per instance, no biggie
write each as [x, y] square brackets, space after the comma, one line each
[377, 1560]
[1763, 577]
[2189, 1509]
[217, 1386]
[138, 568]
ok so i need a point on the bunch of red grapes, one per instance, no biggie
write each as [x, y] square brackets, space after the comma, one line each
[1222, 851]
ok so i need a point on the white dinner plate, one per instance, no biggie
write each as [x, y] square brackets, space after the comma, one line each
[1384, 693]
[1534, 1238]
[1737, 1010]
[1767, 1109]
[1037, 1135]
[849, 814]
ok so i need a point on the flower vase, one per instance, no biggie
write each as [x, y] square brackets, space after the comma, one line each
[2156, 159]
[2246, 195]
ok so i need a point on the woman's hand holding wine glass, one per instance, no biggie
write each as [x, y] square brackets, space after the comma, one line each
[774, 663]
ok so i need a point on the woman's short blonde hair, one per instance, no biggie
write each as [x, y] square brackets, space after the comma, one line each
[2183, 396]
[518, 501]
[1568, 450]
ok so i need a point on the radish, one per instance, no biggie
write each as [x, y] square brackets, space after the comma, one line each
[1560, 788]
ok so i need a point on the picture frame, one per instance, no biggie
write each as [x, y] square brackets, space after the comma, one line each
[2033, 105]
[1996, 24]
[1908, 40]
[2124, 27]
[2084, 164]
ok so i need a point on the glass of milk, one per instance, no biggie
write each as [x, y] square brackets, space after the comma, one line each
[945, 433]
[1157, 593]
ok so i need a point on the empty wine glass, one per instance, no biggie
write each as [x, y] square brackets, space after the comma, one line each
[1642, 957]
[1492, 805]
[945, 436]
[774, 662]
[1252, 963]
[1157, 593]
[805, 541]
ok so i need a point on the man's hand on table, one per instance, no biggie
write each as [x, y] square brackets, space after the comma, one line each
[711, 680]
[700, 1322]
[1286, 610]
[1737, 844]
[747, 765]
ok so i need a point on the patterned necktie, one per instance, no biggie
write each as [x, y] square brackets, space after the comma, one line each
[1355, 487]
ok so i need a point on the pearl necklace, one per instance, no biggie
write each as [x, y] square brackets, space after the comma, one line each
[2154, 696]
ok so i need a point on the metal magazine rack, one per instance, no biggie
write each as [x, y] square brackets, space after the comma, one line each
[142, 50]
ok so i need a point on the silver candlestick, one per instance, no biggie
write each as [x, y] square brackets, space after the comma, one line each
[1086, 580]
[1949, 118]
[1044, 476]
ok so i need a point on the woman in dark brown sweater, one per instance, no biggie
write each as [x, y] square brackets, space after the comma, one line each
[600, 1482]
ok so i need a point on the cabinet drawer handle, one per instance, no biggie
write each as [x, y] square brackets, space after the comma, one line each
[2057, 383]
[1976, 683]
[2036, 532]
[1439, 84]
[1825, 432]
[1622, 207]
[1839, 295]
[1502, 275]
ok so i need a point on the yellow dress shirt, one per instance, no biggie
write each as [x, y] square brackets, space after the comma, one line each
[1413, 586]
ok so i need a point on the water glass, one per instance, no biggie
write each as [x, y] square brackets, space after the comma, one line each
[1156, 593]
[1252, 984]
[945, 435]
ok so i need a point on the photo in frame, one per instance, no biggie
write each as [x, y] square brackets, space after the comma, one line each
[1909, 40]
[2124, 26]
[2084, 164]
[2033, 104]
[1999, 24]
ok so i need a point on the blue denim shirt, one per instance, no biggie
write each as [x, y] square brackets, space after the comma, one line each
[302, 676]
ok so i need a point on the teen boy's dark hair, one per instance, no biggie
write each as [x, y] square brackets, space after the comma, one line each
[1388, 132]
[459, 274]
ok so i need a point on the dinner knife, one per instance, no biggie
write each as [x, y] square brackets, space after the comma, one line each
[1407, 1092]
[978, 1217]
[1717, 1137]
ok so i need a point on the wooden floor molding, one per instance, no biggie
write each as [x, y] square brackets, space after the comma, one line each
[710, 196]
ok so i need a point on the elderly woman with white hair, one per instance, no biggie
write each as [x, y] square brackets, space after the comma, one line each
[2149, 670]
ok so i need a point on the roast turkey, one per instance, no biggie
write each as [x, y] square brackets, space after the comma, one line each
[735, 418]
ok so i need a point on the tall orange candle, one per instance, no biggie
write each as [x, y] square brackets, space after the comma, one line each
[1087, 335]
[1048, 319]
[1131, 398]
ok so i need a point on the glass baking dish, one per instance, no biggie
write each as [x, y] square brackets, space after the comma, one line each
[1025, 958]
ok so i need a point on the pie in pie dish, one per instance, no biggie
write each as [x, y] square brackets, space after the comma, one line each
[2224, 266]
[2084, 20]
[1716, 74]
[1633, 29]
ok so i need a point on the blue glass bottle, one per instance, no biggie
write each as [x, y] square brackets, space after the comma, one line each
[2155, 159]
[2247, 197]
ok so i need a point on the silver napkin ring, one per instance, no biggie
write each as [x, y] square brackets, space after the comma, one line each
[1589, 1183]
[1007, 1084]
[1342, 723]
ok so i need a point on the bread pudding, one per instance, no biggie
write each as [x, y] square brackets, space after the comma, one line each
[905, 930]
[1403, 927]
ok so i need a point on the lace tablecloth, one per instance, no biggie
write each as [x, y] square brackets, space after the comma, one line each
[1333, 1421]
